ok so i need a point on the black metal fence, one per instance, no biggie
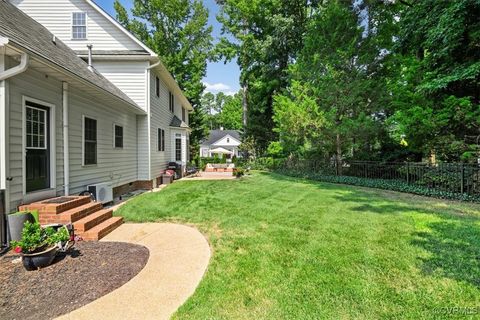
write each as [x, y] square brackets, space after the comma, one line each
[445, 180]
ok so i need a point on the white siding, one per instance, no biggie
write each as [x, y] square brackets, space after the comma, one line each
[160, 118]
[142, 147]
[178, 109]
[118, 166]
[56, 15]
[128, 76]
[232, 142]
[33, 85]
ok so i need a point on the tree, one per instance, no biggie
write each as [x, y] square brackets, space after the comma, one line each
[436, 95]
[340, 91]
[232, 113]
[178, 31]
[299, 120]
[267, 34]
[223, 110]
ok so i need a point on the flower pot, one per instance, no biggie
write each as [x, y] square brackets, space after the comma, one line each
[15, 224]
[33, 261]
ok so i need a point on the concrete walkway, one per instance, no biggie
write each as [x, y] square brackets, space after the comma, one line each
[179, 256]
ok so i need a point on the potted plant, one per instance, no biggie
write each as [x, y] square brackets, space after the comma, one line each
[16, 221]
[239, 172]
[38, 246]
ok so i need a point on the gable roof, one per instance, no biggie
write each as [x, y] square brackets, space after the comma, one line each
[159, 64]
[122, 28]
[30, 35]
[216, 135]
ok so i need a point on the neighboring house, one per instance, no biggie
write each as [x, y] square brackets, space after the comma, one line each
[65, 125]
[221, 142]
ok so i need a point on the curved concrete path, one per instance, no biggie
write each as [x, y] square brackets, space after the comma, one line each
[178, 259]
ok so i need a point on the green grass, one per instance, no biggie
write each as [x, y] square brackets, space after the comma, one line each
[285, 248]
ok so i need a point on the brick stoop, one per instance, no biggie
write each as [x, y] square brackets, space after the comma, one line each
[90, 220]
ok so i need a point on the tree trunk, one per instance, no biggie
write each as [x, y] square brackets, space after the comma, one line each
[339, 155]
[245, 106]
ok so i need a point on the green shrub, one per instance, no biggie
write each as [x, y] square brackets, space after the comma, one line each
[239, 172]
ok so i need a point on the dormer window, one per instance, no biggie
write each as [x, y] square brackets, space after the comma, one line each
[79, 25]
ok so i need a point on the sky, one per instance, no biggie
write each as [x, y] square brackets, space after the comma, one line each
[220, 77]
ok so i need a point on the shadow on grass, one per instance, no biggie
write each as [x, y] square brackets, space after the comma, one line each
[453, 242]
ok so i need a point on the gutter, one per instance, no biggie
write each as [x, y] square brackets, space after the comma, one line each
[22, 67]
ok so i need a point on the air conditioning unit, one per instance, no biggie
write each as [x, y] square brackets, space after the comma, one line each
[102, 192]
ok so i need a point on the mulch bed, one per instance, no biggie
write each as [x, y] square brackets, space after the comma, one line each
[90, 271]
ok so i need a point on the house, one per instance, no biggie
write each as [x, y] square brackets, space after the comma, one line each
[72, 115]
[221, 142]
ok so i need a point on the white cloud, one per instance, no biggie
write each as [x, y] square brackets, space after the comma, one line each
[216, 87]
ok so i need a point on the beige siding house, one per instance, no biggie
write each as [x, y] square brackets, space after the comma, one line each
[65, 124]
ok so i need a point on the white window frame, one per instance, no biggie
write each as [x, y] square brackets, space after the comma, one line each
[159, 139]
[86, 26]
[115, 136]
[83, 140]
[46, 127]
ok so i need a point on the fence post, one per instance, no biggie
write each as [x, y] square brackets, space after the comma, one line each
[408, 172]
[462, 179]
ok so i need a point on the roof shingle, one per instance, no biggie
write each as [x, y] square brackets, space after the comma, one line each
[216, 135]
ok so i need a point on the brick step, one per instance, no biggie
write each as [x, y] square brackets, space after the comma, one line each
[101, 230]
[74, 214]
[92, 220]
[57, 205]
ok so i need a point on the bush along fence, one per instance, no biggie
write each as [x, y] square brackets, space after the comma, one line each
[456, 181]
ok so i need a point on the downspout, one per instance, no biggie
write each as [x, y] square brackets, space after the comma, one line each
[66, 154]
[149, 117]
[4, 75]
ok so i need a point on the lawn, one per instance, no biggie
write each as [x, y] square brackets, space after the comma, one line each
[285, 248]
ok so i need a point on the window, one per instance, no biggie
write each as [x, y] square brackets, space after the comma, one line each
[228, 140]
[89, 141]
[157, 86]
[161, 140]
[36, 127]
[171, 101]
[183, 114]
[118, 138]
[79, 25]
[178, 148]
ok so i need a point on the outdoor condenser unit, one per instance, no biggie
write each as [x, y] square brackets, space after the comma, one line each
[102, 192]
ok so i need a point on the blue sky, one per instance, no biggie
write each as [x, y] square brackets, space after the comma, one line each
[220, 76]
